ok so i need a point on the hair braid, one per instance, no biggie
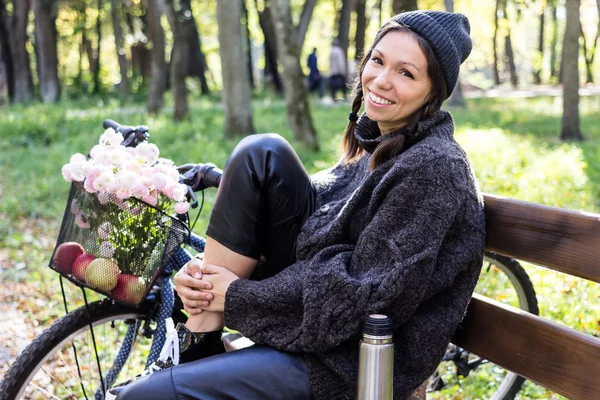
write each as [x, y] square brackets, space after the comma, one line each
[350, 142]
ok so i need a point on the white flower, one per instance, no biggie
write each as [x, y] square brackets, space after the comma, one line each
[177, 192]
[110, 138]
[159, 181]
[147, 152]
[107, 249]
[126, 179]
[123, 193]
[81, 221]
[132, 165]
[104, 230]
[139, 190]
[66, 173]
[79, 169]
[77, 157]
[105, 182]
[182, 208]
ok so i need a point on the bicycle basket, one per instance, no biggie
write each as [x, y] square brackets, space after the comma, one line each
[115, 247]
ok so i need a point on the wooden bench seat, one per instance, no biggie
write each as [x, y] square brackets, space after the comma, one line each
[554, 356]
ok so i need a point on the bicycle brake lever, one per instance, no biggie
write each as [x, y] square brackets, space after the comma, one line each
[192, 195]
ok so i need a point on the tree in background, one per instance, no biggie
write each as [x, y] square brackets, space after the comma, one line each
[23, 82]
[538, 57]
[343, 21]
[457, 99]
[570, 119]
[116, 13]
[361, 28]
[158, 66]
[304, 21]
[399, 6]
[296, 99]
[236, 82]
[45, 12]
[589, 49]
[177, 17]
[265, 20]
[554, 40]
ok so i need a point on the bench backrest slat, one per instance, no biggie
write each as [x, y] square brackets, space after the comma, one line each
[564, 240]
[556, 357]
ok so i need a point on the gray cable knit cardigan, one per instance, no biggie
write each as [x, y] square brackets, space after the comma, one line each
[405, 240]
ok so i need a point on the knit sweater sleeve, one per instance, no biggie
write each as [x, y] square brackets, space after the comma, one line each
[316, 304]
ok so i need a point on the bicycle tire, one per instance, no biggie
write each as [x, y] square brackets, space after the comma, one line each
[525, 299]
[61, 333]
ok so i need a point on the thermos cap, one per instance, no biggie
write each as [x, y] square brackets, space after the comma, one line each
[378, 325]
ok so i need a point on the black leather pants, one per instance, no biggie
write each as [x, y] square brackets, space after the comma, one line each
[253, 373]
[264, 198]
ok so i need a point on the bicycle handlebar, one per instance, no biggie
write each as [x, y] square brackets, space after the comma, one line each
[132, 135]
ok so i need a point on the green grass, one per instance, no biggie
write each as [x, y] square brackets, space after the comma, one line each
[513, 145]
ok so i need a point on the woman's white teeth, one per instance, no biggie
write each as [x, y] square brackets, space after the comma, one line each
[379, 100]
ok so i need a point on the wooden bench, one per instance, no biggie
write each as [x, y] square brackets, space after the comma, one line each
[559, 358]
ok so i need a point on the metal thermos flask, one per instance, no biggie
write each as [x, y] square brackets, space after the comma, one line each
[376, 360]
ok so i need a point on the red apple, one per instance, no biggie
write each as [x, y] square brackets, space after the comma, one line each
[81, 264]
[65, 255]
[130, 289]
[102, 273]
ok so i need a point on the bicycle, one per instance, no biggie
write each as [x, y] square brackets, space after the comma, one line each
[502, 278]
[71, 347]
[85, 351]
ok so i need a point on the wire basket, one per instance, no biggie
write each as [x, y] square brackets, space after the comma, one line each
[115, 247]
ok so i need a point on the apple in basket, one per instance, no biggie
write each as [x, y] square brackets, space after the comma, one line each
[130, 289]
[102, 273]
[65, 256]
[81, 264]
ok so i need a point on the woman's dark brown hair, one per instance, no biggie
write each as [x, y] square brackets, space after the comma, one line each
[391, 147]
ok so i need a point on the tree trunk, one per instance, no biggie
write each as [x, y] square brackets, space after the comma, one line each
[298, 111]
[538, 59]
[116, 15]
[509, 56]
[97, 52]
[197, 65]
[247, 44]
[265, 19]
[554, 40]
[570, 119]
[589, 59]
[158, 66]
[179, 55]
[380, 8]
[589, 52]
[361, 28]
[344, 28]
[45, 12]
[305, 17]
[399, 6]
[510, 61]
[456, 98]
[236, 86]
[496, 69]
[23, 82]
[6, 64]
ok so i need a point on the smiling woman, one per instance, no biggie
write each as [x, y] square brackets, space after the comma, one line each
[395, 227]
[395, 87]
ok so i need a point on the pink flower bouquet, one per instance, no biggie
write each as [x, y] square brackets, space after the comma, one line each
[118, 230]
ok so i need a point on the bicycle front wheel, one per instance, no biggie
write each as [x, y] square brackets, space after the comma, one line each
[47, 368]
[466, 375]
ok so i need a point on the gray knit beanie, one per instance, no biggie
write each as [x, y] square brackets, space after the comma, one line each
[447, 34]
